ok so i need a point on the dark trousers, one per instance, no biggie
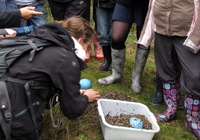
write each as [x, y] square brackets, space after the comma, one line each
[167, 51]
[62, 11]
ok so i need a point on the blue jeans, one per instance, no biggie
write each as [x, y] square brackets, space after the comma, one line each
[36, 20]
[104, 25]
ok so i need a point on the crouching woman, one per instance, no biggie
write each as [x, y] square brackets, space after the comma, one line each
[59, 65]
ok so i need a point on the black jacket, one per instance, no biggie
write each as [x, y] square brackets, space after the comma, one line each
[10, 18]
[41, 1]
[54, 64]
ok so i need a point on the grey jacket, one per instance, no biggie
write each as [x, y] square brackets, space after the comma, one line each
[173, 18]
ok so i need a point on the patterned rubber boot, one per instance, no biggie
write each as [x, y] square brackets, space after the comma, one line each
[97, 48]
[171, 96]
[88, 55]
[192, 111]
[118, 61]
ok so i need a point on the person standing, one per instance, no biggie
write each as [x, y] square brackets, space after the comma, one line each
[125, 14]
[64, 9]
[104, 13]
[176, 27]
[97, 48]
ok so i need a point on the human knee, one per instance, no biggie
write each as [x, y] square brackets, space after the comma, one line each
[117, 44]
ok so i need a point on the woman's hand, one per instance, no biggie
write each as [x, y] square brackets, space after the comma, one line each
[92, 95]
[82, 91]
[12, 33]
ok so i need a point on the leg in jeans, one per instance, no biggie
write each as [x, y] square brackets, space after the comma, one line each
[104, 25]
[23, 21]
[36, 20]
[104, 29]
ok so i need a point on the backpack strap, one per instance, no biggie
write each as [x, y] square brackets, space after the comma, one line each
[28, 92]
[5, 111]
[6, 126]
[15, 80]
[34, 47]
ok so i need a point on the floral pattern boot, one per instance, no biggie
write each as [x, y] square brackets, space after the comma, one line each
[97, 48]
[88, 55]
[192, 110]
[171, 96]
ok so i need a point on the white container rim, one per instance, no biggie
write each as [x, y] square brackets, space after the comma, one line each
[127, 128]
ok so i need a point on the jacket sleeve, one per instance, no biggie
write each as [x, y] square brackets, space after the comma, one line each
[193, 38]
[147, 33]
[67, 77]
[3, 32]
[10, 18]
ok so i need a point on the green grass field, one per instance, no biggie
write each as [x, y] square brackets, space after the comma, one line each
[83, 128]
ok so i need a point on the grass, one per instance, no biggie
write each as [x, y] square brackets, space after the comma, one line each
[83, 128]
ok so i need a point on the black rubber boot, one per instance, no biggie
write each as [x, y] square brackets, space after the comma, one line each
[106, 66]
[158, 98]
[180, 105]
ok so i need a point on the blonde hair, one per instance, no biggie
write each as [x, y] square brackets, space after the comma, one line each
[78, 27]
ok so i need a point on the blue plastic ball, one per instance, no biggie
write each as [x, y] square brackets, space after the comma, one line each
[136, 123]
[85, 83]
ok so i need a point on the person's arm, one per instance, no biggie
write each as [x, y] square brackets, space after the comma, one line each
[28, 12]
[3, 32]
[12, 18]
[192, 42]
[67, 78]
[7, 33]
[92, 95]
[147, 33]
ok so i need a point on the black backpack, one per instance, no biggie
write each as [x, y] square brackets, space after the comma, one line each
[10, 50]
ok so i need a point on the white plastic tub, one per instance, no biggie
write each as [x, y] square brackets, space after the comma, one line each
[117, 107]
